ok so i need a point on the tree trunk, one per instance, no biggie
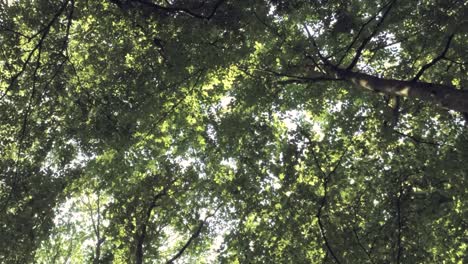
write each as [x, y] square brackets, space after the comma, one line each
[139, 249]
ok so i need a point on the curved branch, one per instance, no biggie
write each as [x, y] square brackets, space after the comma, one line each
[322, 205]
[194, 236]
[369, 256]
[435, 60]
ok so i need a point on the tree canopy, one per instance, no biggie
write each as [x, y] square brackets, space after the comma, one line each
[222, 131]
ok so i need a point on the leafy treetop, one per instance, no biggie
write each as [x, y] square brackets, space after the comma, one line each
[221, 131]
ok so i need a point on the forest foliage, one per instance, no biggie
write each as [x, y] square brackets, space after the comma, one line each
[222, 131]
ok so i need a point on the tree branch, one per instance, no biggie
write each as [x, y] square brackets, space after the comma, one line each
[374, 32]
[416, 139]
[7, 29]
[399, 222]
[169, 9]
[435, 60]
[194, 236]
[297, 78]
[401, 181]
[144, 225]
[314, 43]
[164, 115]
[37, 47]
[445, 96]
[369, 256]
[322, 205]
[360, 31]
[323, 200]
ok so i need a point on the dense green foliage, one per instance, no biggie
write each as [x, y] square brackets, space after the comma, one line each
[222, 131]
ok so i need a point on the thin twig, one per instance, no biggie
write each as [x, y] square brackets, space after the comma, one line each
[176, 104]
[325, 179]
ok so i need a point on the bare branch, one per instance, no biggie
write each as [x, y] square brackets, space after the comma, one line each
[15, 32]
[296, 78]
[368, 254]
[314, 43]
[400, 220]
[194, 236]
[308, 80]
[454, 61]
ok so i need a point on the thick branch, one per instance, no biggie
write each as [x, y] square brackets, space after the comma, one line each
[143, 230]
[443, 95]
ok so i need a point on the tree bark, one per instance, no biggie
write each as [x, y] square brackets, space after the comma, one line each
[141, 236]
[442, 95]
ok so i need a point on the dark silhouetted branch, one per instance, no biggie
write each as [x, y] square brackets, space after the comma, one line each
[169, 8]
[360, 32]
[416, 139]
[325, 179]
[194, 236]
[368, 39]
[144, 226]
[369, 256]
[43, 32]
[435, 60]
